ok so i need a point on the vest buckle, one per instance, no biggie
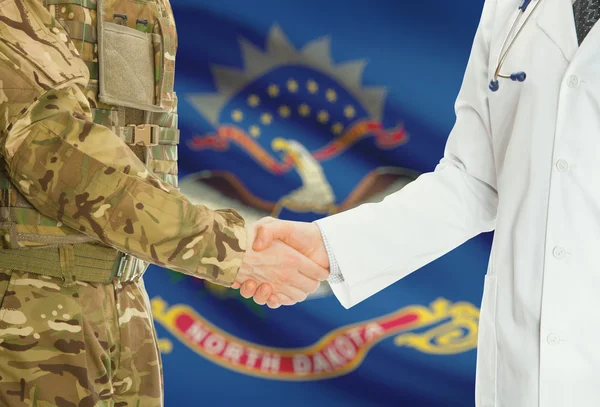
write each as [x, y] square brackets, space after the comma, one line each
[145, 134]
[126, 267]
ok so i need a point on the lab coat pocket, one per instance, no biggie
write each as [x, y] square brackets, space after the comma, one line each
[485, 383]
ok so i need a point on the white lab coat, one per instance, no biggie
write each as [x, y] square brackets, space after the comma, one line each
[524, 161]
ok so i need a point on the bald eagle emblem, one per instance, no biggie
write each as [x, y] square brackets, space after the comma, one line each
[286, 134]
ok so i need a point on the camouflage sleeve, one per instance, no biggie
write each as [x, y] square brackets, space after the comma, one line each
[81, 173]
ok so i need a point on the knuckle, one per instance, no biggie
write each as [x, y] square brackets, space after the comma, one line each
[285, 276]
[248, 285]
[260, 231]
[266, 219]
[292, 260]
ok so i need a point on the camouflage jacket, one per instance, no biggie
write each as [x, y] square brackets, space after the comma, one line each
[80, 173]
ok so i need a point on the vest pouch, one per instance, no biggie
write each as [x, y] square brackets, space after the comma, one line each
[126, 67]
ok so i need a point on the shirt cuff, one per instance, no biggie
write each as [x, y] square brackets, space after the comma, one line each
[335, 273]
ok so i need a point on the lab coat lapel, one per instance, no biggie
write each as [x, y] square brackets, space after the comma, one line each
[557, 21]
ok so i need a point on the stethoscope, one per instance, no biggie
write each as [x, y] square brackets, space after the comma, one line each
[516, 76]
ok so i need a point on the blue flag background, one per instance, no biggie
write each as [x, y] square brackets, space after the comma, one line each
[299, 110]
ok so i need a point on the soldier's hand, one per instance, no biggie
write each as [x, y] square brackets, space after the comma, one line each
[286, 276]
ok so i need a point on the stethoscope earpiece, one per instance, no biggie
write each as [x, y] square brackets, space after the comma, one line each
[494, 86]
[518, 76]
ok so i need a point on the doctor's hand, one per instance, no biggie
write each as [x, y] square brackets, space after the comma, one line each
[285, 274]
[272, 234]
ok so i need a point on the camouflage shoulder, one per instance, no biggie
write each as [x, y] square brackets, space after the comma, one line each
[36, 55]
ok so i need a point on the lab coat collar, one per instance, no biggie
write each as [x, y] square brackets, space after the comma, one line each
[556, 19]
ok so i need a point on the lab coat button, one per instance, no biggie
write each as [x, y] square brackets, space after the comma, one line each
[553, 340]
[559, 252]
[562, 165]
[573, 81]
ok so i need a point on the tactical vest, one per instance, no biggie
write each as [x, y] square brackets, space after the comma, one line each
[129, 48]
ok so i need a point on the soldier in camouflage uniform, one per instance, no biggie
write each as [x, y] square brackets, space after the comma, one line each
[88, 197]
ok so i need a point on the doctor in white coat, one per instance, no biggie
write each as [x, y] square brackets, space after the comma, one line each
[523, 160]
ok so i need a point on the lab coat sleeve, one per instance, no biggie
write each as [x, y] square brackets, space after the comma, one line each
[377, 244]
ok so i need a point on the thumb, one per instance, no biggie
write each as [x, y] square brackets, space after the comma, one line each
[263, 239]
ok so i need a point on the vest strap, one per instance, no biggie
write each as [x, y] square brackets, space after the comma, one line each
[87, 262]
[66, 255]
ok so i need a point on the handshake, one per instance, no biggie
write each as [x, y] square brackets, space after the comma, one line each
[285, 261]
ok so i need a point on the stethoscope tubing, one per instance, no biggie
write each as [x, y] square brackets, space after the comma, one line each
[509, 36]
